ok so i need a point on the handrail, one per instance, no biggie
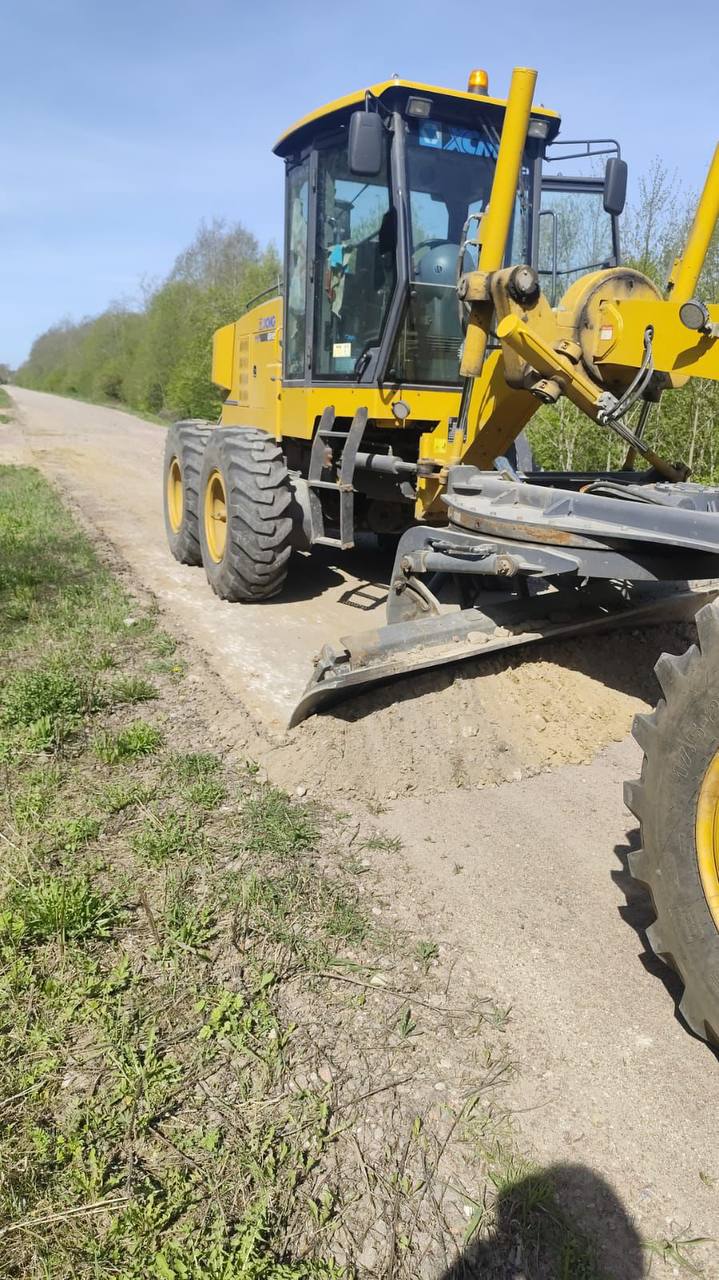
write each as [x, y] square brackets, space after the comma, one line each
[271, 289]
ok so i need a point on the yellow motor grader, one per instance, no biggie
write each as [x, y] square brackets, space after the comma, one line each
[444, 277]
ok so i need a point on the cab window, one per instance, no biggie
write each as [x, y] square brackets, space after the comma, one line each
[296, 270]
[355, 263]
[576, 235]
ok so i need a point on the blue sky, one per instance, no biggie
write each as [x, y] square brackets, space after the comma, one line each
[126, 123]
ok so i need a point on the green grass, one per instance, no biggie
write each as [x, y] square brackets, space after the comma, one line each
[166, 839]
[5, 403]
[60, 908]
[199, 1010]
[131, 743]
[115, 952]
[133, 689]
[275, 826]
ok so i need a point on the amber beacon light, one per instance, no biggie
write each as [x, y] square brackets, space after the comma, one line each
[478, 81]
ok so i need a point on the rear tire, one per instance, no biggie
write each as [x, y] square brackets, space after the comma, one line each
[245, 521]
[677, 803]
[184, 447]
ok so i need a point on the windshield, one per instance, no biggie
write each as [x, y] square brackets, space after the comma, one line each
[450, 171]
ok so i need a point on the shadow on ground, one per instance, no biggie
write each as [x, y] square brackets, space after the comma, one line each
[555, 1223]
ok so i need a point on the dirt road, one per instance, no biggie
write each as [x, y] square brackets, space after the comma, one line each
[495, 793]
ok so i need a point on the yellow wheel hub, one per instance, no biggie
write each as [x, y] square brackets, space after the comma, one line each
[707, 837]
[216, 516]
[175, 496]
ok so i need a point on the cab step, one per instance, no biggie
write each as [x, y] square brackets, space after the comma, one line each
[321, 458]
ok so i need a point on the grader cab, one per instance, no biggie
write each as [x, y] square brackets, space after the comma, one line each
[447, 272]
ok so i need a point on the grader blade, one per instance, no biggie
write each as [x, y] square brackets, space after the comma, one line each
[405, 648]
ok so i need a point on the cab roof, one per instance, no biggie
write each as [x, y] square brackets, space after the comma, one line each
[394, 94]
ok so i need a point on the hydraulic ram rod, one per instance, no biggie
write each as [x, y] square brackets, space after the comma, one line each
[687, 268]
[494, 227]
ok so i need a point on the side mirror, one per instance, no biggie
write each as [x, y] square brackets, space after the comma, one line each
[366, 149]
[615, 186]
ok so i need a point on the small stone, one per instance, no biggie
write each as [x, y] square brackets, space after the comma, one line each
[301, 791]
[368, 1257]
[391, 795]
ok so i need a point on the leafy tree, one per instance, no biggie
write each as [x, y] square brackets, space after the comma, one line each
[157, 357]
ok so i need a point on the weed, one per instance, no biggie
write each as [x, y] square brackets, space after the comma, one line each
[35, 799]
[186, 923]
[273, 825]
[673, 1251]
[383, 844]
[194, 766]
[75, 833]
[136, 740]
[162, 839]
[19, 603]
[62, 909]
[104, 660]
[406, 1025]
[344, 920]
[50, 691]
[425, 953]
[162, 644]
[208, 794]
[130, 689]
[45, 705]
[196, 773]
[121, 795]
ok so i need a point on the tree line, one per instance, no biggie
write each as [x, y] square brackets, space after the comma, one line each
[155, 357]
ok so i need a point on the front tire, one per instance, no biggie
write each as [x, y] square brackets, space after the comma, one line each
[245, 522]
[184, 448]
[677, 803]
